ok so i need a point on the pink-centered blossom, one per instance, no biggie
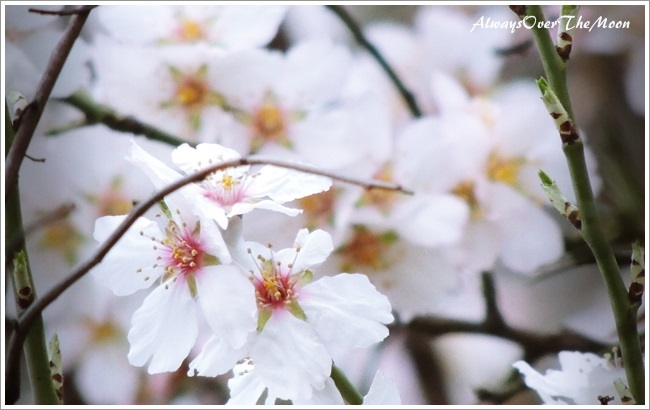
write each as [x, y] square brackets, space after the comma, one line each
[188, 261]
[301, 324]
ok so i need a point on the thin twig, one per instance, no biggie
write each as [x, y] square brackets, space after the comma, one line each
[63, 12]
[356, 31]
[31, 116]
[14, 345]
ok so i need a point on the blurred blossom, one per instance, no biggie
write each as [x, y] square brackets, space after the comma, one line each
[582, 379]
[225, 27]
[208, 295]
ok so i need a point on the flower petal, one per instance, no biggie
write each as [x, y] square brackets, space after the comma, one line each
[191, 159]
[290, 358]
[315, 247]
[432, 220]
[227, 299]
[284, 185]
[382, 391]
[159, 173]
[217, 357]
[164, 328]
[346, 310]
[128, 266]
[246, 387]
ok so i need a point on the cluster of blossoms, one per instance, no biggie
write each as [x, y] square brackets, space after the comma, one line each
[260, 305]
[235, 81]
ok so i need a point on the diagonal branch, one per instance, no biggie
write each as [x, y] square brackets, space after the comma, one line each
[33, 112]
[15, 343]
[356, 31]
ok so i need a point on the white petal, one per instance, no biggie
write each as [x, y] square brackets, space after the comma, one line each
[159, 173]
[314, 248]
[217, 357]
[346, 310]
[432, 220]
[329, 395]
[531, 238]
[284, 185]
[290, 358]
[191, 159]
[164, 328]
[245, 207]
[536, 381]
[314, 72]
[227, 299]
[212, 241]
[208, 209]
[246, 387]
[128, 266]
[247, 26]
[382, 391]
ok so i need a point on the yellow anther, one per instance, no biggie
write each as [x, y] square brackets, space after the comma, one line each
[504, 170]
[190, 31]
[227, 182]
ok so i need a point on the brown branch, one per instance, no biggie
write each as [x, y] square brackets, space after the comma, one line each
[14, 346]
[357, 32]
[63, 12]
[32, 114]
[535, 345]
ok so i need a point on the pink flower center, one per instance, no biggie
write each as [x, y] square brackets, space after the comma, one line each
[275, 289]
[183, 252]
[224, 189]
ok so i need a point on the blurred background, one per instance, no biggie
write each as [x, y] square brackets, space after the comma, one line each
[433, 363]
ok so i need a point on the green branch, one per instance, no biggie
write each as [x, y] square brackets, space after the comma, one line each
[100, 114]
[345, 386]
[554, 65]
[556, 98]
[34, 347]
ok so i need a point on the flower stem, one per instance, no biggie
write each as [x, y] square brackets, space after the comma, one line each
[350, 394]
[35, 346]
[554, 66]
[591, 229]
[96, 113]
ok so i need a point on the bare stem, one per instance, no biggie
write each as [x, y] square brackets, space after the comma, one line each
[356, 31]
[555, 95]
[33, 112]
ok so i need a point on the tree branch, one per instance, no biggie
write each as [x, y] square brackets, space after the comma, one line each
[97, 113]
[14, 345]
[555, 96]
[63, 12]
[534, 345]
[356, 31]
[32, 114]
